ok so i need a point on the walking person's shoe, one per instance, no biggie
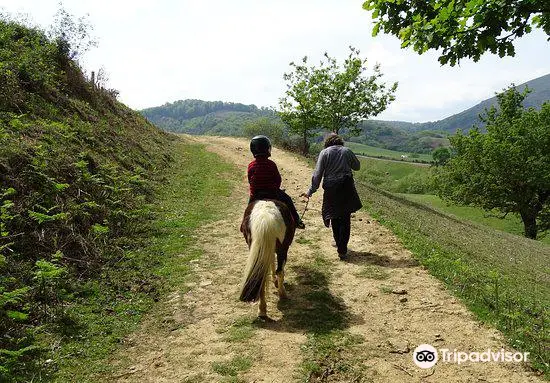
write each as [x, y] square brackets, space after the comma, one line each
[343, 256]
[300, 224]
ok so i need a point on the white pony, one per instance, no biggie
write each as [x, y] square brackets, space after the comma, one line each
[268, 229]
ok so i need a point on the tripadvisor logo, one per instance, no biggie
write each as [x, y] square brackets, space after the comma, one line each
[426, 356]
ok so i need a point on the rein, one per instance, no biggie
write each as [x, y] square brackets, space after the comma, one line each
[305, 209]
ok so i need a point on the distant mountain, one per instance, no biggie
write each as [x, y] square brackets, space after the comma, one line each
[205, 117]
[397, 135]
[540, 93]
[229, 119]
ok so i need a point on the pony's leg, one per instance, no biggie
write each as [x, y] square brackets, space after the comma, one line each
[273, 272]
[281, 261]
[281, 284]
[262, 312]
[277, 263]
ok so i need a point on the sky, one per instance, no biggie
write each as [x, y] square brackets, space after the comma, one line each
[159, 51]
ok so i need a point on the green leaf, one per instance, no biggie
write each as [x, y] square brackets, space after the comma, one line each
[60, 187]
[17, 315]
[376, 29]
[41, 218]
[368, 5]
[100, 229]
[48, 271]
[8, 192]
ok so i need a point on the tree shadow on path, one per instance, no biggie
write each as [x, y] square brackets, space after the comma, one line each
[368, 258]
[311, 306]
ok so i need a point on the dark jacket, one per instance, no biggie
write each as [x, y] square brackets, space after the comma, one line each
[340, 200]
[334, 166]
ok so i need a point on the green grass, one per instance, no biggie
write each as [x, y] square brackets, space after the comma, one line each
[331, 354]
[510, 224]
[504, 279]
[373, 272]
[303, 241]
[239, 330]
[233, 366]
[398, 177]
[385, 289]
[396, 170]
[373, 151]
[195, 192]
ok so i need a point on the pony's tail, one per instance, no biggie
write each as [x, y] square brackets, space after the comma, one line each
[266, 226]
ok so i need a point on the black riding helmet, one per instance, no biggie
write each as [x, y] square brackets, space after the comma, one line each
[260, 146]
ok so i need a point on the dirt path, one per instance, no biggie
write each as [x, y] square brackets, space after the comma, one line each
[380, 296]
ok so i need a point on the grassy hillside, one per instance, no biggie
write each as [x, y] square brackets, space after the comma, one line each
[397, 177]
[229, 119]
[392, 135]
[205, 117]
[373, 151]
[77, 170]
[502, 277]
[196, 190]
[510, 224]
[415, 182]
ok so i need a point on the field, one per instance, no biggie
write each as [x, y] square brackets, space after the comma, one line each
[510, 224]
[413, 182]
[372, 151]
[395, 176]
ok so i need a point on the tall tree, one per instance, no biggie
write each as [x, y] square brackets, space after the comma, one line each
[73, 36]
[347, 95]
[333, 96]
[269, 127]
[299, 106]
[461, 28]
[507, 168]
[441, 156]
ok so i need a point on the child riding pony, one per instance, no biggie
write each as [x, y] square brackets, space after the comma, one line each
[269, 223]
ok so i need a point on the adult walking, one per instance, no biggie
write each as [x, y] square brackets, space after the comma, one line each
[340, 199]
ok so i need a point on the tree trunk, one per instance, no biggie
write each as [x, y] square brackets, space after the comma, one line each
[529, 219]
[305, 145]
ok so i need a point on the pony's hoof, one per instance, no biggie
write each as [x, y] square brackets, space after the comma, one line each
[264, 320]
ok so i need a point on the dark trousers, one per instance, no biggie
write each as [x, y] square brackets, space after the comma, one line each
[341, 228]
[279, 195]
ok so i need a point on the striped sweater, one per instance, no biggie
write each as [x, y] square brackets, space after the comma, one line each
[263, 175]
